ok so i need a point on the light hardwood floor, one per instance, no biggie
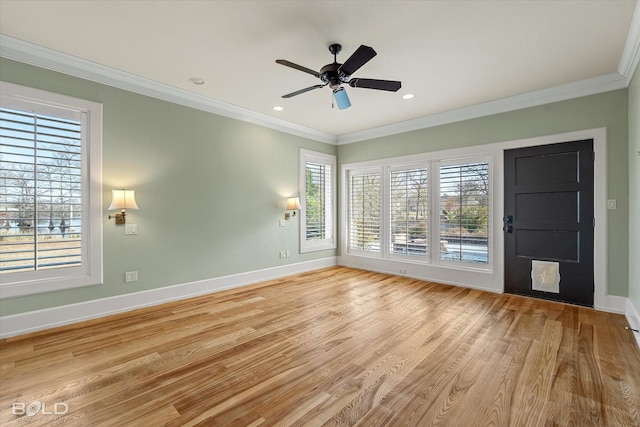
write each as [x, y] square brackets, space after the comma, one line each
[333, 347]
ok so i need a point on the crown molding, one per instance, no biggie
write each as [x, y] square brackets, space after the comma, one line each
[32, 54]
[631, 52]
[29, 53]
[592, 86]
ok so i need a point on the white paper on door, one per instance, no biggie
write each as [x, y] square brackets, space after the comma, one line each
[545, 276]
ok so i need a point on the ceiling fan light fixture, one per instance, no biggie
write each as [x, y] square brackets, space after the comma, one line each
[342, 99]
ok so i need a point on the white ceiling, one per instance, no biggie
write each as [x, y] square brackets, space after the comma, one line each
[450, 54]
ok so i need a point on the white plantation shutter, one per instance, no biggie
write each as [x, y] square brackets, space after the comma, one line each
[317, 195]
[318, 191]
[408, 211]
[464, 211]
[41, 191]
[365, 216]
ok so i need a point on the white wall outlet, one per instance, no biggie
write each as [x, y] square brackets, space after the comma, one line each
[287, 253]
[131, 229]
[283, 254]
[130, 276]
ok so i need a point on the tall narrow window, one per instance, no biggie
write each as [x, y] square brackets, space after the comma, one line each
[464, 212]
[365, 211]
[317, 195]
[46, 208]
[409, 212]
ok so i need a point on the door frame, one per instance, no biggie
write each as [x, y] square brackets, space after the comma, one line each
[602, 301]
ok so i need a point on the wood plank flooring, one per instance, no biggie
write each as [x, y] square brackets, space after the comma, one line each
[334, 347]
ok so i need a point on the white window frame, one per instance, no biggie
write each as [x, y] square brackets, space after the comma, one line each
[313, 245]
[432, 162]
[90, 113]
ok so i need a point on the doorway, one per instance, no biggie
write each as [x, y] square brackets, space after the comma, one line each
[549, 222]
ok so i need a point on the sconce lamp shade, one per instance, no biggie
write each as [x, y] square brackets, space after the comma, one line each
[123, 199]
[293, 203]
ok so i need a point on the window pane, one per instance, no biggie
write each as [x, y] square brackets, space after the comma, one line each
[40, 192]
[464, 212]
[408, 213]
[364, 212]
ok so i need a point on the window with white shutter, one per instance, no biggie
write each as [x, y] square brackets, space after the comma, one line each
[464, 211]
[47, 241]
[409, 212]
[423, 209]
[317, 201]
[365, 216]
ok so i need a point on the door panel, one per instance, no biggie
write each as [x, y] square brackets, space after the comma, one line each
[558, 168]
[549, 217]
[547, 245]
[547, 207]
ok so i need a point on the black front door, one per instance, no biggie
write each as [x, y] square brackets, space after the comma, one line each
[548, 222]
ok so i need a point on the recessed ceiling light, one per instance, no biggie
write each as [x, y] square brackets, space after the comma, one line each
[408, 96]
[196, 80]
[277, 108]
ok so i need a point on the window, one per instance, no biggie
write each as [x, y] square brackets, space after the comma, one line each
[49, 206]
[317, 201]
[422, 209]
[464, 212]
[364, 211]
[408, 212]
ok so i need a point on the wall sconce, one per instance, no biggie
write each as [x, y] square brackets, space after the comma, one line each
[122, 199]
[293, 204]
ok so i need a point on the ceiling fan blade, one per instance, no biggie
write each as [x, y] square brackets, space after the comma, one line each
[390, 85]
[361, 56]
[297, 67]
[342, 99]
[306, 89]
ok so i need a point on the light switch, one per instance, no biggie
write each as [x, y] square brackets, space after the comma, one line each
[611, 204]
[131, 229]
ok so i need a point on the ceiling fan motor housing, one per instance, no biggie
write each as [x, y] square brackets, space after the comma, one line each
[330, 74]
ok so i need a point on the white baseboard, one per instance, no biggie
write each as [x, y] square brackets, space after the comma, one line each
[473, 279]
[634, 319]
[612, 304]
[38, 320]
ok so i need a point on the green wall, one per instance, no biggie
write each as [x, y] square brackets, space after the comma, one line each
[634, 191]
[604, 110]
[211, 191]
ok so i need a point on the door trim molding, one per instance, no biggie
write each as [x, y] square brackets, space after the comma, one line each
[602, 301]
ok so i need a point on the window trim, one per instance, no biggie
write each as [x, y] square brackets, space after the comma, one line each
[91, 272]
[317, 244]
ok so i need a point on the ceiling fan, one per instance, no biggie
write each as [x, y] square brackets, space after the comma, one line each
[336, 74]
